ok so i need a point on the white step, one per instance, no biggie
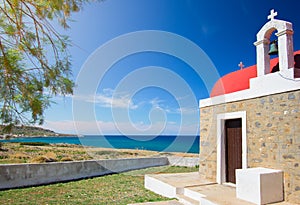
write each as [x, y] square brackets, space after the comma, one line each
[160, 187]
[186, 200]
[188, 192]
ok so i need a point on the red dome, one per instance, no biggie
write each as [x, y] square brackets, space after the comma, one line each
[238, 80]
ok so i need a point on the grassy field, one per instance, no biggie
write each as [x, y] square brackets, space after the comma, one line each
[111, 189]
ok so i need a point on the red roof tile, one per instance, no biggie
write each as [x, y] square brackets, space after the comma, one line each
[238, 80]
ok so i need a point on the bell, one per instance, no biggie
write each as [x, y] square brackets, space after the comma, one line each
[273, 48]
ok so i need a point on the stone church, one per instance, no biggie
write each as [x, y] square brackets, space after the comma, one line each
[252, 119]
[249, 132]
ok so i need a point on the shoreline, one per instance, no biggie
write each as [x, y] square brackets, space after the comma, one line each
[15, 136]
[93, 148]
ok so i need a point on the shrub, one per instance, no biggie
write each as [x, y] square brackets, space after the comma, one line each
[3, 157]
[105, 152]
[66, 159]
[39, 159]
[42, 159]
[20, 156]
[35, 143]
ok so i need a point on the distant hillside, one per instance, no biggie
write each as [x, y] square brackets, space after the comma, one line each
[29, 131]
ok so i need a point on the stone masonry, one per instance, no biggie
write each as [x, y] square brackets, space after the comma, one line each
[273, 137]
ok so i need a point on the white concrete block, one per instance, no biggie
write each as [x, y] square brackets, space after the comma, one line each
[159, 187]
[184, 161]
[259, 185]
[195, 195]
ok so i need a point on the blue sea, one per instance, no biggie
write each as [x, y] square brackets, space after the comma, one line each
[164, 143]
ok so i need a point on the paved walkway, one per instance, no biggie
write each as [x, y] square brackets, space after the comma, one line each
[181, 180]
[194, 190]
[218, 194]
[174, 202]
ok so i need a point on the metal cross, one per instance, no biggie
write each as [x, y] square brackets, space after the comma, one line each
[241, 65]
[272, 15]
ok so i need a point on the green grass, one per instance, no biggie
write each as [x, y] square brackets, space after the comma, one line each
[111, 189]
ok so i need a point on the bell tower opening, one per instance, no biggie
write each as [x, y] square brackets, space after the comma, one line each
[273, 51]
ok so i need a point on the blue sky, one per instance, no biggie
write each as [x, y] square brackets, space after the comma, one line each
[154, 88]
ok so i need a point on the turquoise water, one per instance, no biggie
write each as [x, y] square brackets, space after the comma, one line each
[189, 144]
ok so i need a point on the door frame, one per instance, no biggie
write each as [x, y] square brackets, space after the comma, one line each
[221, 160]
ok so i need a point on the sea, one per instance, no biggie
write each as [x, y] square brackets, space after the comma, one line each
[162, 143]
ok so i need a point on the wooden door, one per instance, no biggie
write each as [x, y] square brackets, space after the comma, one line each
[233, 148]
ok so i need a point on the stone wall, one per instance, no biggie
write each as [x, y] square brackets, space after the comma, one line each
[21, 175]
[273, 137]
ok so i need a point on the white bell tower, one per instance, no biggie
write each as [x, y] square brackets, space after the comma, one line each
[285, 47]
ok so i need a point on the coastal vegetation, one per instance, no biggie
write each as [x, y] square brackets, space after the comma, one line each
[32, 152]
[116, 189]
[24, 131]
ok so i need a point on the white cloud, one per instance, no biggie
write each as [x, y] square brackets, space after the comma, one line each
[80, 127]
[110, 99]
[86, 127]
[187, 110]
[156, 103]
[116, 102]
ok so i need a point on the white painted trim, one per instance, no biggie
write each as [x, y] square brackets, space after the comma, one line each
[229, 184]
[272, 83]
[221, 172]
